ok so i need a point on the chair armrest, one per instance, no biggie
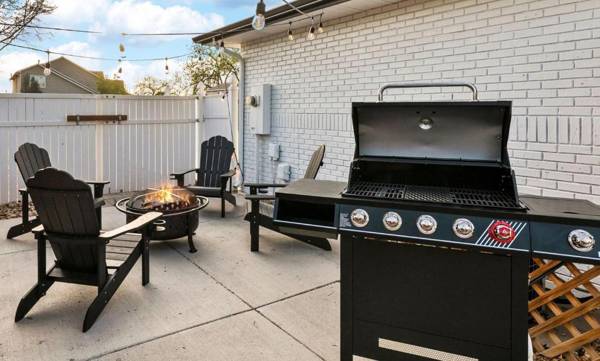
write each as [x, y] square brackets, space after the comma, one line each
[98, 187]
[175, 175]
[132, 226]
[179, 177]
[38, 230]
[259, 197]
[265, 185]
[229, 174]
[99, 182]
[23, 191]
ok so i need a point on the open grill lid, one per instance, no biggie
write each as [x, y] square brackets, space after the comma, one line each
[464, 131]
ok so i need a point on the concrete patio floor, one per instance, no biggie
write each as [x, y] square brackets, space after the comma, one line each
[221, 303]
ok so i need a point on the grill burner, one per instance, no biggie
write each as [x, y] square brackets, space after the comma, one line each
[445, 195]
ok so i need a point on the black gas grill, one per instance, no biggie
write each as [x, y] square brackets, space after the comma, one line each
[435, 241]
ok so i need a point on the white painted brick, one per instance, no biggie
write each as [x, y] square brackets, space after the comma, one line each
[544, 55]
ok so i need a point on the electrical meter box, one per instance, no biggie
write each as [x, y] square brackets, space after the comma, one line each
[260, 109]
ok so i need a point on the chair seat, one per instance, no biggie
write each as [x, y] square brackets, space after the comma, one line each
[205, 191]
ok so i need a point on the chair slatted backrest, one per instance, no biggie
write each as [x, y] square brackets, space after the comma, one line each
[215, 159]
[316, 161]
[30, 158]
[66, 209]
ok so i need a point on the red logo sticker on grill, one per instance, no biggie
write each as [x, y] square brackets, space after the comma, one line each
[502, 232]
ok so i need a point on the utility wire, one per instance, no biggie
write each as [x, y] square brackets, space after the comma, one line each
[52, 28]
[94, 57]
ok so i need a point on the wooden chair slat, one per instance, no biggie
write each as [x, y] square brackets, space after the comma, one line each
[215, 160]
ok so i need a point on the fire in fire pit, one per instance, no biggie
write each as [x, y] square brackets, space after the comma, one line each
[164, 199]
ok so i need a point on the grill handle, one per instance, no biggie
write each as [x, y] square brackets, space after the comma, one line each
[426, 85]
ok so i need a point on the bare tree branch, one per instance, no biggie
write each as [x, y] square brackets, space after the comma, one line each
[16, 15]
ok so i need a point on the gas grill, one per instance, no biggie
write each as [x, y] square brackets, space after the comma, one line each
[435, 241]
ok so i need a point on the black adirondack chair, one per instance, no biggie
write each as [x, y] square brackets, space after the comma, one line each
[67, 212]
[214, 172]
[30, 158]
[261, 206]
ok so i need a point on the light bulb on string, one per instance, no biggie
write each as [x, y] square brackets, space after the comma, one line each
[120, 71]
[167, 66]
[259, 22]
[222, 47]
[290, 34]
[321, 29]
[311, 31]
[47, 70]
[121, 48]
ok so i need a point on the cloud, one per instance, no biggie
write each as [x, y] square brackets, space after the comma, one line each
[145, 17]
[76, 12]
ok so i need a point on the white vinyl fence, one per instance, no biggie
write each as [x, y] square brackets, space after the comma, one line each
[161, 135]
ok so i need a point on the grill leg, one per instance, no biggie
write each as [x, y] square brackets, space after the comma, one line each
[346, 250]
[190, 235]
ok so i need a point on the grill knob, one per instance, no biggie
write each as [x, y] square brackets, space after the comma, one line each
[581, 240]
[463, 228]
[392, 221]
[426, 224]
[359, 218]
[502, 232]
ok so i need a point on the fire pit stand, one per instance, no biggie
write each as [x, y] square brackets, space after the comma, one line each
[180, 212]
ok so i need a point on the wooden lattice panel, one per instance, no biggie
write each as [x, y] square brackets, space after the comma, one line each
[564, 307]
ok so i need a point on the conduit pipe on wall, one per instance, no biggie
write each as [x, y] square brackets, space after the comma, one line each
[241, 95]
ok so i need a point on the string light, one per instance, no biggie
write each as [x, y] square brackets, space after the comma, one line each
[122, 49]
[120, 71]
[47, 70]
[259, 22]
[311, 31]
[166, 66]
[321, 29]
[91, 57]
[290, 34]
[222, 47]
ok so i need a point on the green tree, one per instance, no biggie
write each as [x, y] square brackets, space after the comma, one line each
[206, 67]
[111, 86]
[17, 15]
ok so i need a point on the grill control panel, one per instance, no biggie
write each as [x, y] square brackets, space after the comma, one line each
[578, 242]
[436, 228]
[550, 240]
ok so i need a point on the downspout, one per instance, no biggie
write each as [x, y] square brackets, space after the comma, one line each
[241, 95]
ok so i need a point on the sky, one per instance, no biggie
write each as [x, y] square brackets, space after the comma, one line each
[113, 17]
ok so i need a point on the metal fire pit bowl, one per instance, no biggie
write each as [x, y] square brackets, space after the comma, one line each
[176, 222]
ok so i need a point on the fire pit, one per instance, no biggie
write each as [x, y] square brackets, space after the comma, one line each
[179, 207]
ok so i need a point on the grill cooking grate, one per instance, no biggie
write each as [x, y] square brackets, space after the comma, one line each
[457, 196]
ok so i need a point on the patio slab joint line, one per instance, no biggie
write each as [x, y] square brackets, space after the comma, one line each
[257, 308]
[250, 309]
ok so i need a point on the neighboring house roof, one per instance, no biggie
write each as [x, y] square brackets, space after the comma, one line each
[242, 31]
[97, 74]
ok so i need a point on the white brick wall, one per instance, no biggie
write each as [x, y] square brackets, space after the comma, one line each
[543, 55]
